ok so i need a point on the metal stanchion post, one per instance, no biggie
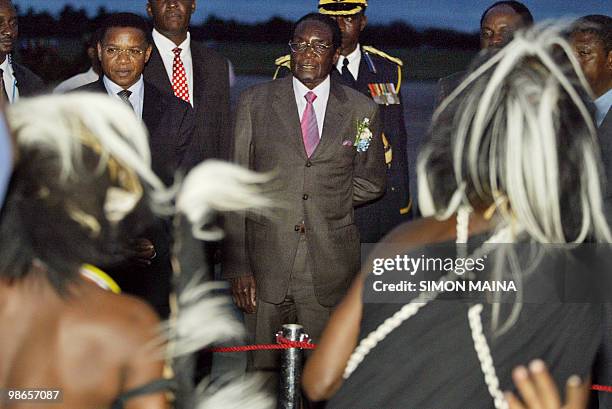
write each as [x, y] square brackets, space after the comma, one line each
[289, 396]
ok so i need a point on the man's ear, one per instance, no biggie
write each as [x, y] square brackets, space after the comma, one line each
[336, 56]
[99, 47]
[149, 9]
[148, 53]
[92, 52]
[609, 61]
[364, 22]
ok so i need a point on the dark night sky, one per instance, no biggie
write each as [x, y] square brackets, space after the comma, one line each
[458, 14]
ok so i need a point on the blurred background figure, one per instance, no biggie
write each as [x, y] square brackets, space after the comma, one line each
[497, 26]
[591, 39]
[15, 79]
[92, 74]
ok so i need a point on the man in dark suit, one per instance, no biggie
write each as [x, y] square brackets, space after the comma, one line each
[322, 141]
[378, 76]
[591, 39]
[123, 50]
[497, 25]
[15, 79]
[192, 72]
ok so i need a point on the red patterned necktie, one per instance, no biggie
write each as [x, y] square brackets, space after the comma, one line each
[179, 77]
[310, 128]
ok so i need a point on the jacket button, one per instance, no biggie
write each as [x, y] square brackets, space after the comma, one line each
[308, 164]
[305, 197]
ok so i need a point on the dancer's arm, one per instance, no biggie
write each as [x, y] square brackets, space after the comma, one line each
[323, 372]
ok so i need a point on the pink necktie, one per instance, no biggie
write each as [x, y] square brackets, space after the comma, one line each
[179, 77]
[310, 128]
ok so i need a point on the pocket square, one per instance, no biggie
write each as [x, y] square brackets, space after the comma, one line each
[347, 143]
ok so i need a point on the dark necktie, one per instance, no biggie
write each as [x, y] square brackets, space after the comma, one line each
[3, 94]
[125, 97]
[346, 73]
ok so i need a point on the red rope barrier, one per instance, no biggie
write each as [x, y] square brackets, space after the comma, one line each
[282, 343]
[602, 388]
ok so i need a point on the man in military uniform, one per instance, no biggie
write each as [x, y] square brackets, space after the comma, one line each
[379, 76]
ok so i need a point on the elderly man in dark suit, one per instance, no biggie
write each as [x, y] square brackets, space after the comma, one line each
[591, 39]
[377, 75]
[15, 79]
[123, 50]
[193, 73]
[322, 141]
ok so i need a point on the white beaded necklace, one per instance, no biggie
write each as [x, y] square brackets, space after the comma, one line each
[480, 342]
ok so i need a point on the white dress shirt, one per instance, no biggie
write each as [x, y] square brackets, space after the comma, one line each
[354, 60]
[320, 104]
[136, 98]
[77, 81]
[603, 104]
[165, 47]
[10, 83]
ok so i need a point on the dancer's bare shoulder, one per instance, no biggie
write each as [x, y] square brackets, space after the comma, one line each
[422, 231]
[109, 316]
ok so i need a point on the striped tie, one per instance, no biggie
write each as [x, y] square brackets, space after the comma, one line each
[125, 97]
[310, 128]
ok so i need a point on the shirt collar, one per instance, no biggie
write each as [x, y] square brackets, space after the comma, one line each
[603, 104]
[136, 89]
[6, 66]
[355, 54]
[354, 59]
[164, 44]
[320, 90]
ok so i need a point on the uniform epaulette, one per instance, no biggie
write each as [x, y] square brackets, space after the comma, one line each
[284, 61]
[281, 62]
[382, 54]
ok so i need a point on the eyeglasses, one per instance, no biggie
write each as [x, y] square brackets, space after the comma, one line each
[301, 47]
[116, 52]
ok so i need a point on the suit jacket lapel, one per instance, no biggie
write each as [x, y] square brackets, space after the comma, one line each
[285, 109]
[334, 117]
[100, 85]
[156, 72]
[152, 108]
[201, 90]
[20, 82]
[606, 125]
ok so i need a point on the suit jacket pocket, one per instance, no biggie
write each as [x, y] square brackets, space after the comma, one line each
[347, 220]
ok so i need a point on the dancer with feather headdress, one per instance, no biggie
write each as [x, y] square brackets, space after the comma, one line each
[84, 168]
